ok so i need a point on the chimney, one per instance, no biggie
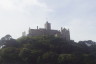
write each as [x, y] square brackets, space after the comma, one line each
[61, 28]
[37, 27]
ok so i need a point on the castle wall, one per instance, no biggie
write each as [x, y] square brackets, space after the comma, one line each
[40, 32]
[35, 32]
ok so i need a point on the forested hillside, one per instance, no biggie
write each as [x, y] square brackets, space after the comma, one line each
[46, 50]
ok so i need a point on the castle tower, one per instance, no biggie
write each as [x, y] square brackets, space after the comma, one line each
[68, 35]
[47, 26]
[65, 34]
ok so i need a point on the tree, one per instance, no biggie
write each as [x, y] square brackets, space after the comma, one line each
[9, 55]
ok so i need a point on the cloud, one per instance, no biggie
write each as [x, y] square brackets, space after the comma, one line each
[82, 29]
[21, 5]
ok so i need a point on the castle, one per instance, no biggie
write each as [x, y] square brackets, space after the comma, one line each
[64, 33]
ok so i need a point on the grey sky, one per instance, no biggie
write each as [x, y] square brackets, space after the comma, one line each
[17, 16]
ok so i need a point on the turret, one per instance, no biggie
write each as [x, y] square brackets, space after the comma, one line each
[47, 26]
[65, 33]
[68, 34]
[29, 30]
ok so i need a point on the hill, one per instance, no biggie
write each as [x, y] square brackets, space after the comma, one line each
[45, 50]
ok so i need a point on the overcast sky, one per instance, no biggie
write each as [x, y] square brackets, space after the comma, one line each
[79, 16]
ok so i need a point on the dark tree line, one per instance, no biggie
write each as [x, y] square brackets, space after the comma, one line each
[46, 50]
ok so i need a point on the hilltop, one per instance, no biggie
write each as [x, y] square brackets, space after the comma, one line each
[45, 50]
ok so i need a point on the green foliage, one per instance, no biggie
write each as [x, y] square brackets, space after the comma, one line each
[45, 50]
[65, 58]
[9, 55]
